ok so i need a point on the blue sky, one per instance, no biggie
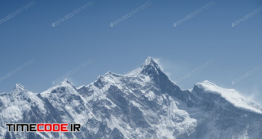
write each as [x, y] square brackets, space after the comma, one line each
[150, 32]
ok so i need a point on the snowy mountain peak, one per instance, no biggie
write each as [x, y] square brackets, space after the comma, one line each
[150, 61]
[65, 87]
[206, 82]
[65, 83]
[18, 91]
[111, 73]
[149, 66]
[231, 95]
[208, 86]
[19, 87]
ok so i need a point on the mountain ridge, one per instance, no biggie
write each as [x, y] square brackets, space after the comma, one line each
[142, 104]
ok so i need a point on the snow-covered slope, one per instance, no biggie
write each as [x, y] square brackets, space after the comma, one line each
[143, 104]
[231, 96]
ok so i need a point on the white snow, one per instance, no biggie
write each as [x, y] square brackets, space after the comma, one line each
[150, 95]
[12, 114]
[230, 95]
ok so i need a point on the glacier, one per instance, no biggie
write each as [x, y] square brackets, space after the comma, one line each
[143, 104]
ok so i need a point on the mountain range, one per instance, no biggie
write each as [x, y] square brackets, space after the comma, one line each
[143, 104]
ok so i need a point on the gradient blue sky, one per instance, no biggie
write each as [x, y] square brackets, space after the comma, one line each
[88, 35]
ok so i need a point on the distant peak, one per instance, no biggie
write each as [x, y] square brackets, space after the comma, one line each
[66, 82]
[149, 66]
[18, 89]
[62, 85]
[231, 95]
[206, 85]
[112, 74]
[108, 73]
[19, 86]
[149, 61]
[206, 82]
